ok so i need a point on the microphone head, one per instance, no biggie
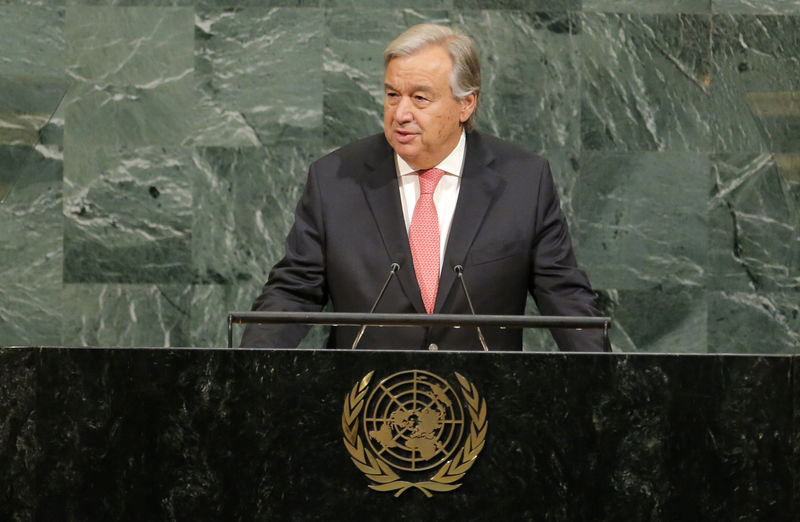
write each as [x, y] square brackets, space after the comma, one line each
[458, 269]
[394, 267]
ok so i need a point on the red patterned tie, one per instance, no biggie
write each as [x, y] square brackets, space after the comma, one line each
[423, 237]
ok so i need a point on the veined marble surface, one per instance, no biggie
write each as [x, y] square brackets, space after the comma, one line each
[152, 153]
[128, 215]
[31, 245]
[756, 82]
[259, 75]
[646, 82]
[132, 76]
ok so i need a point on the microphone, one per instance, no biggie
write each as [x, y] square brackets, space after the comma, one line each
[459, 270]
[394, 267]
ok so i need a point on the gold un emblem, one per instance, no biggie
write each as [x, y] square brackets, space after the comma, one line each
[410, 431]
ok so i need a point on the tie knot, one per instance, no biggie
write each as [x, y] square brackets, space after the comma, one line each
[428, 179]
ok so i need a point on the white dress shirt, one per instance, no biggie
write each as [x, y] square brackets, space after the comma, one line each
[444, 197]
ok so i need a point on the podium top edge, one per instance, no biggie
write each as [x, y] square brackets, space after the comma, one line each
[391, 319]
[480, 353]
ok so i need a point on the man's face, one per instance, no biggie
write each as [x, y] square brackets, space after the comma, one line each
[421, 119]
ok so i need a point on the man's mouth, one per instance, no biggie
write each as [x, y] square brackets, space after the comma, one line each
[404, 136]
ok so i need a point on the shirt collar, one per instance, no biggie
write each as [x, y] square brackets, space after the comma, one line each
[452, 164]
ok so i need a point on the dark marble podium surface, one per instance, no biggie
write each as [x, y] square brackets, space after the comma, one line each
[231, 434]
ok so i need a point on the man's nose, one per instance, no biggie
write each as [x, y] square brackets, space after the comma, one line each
[404, 110]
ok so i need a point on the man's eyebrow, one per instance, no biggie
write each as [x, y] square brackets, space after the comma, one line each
[422, 88]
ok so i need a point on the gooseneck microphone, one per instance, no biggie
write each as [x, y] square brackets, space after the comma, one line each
[459, 270]
[394, 267]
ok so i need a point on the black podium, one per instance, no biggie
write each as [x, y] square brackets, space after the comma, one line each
[245, 434]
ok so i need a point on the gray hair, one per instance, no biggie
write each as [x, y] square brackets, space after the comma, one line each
[466, 76]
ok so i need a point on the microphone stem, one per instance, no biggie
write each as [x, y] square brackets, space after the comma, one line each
[460, 273]
[394, 268]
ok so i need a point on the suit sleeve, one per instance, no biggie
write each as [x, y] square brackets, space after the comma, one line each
[297, 282]
[558, 286]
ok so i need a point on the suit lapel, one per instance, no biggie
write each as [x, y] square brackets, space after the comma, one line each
[480, 185]
[382, 195]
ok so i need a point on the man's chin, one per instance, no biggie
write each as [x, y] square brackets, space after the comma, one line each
[407, 151]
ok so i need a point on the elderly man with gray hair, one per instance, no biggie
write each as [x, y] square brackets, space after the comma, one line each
[428, 195]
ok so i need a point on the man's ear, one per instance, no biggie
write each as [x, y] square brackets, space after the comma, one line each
[468, 103]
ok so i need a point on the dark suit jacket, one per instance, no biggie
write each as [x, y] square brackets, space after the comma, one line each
[508, 232]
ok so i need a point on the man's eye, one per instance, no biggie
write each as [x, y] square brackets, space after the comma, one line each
[420, 98]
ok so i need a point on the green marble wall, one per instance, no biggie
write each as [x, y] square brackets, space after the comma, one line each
[151, 154]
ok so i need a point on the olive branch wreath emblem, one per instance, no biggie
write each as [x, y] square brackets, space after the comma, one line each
[385, 479]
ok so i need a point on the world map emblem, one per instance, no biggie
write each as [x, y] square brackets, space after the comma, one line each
[411, 430]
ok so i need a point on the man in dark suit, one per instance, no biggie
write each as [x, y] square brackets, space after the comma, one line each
[428, 194]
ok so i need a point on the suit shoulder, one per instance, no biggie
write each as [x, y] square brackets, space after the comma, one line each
[358, 151]
[504, 156]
